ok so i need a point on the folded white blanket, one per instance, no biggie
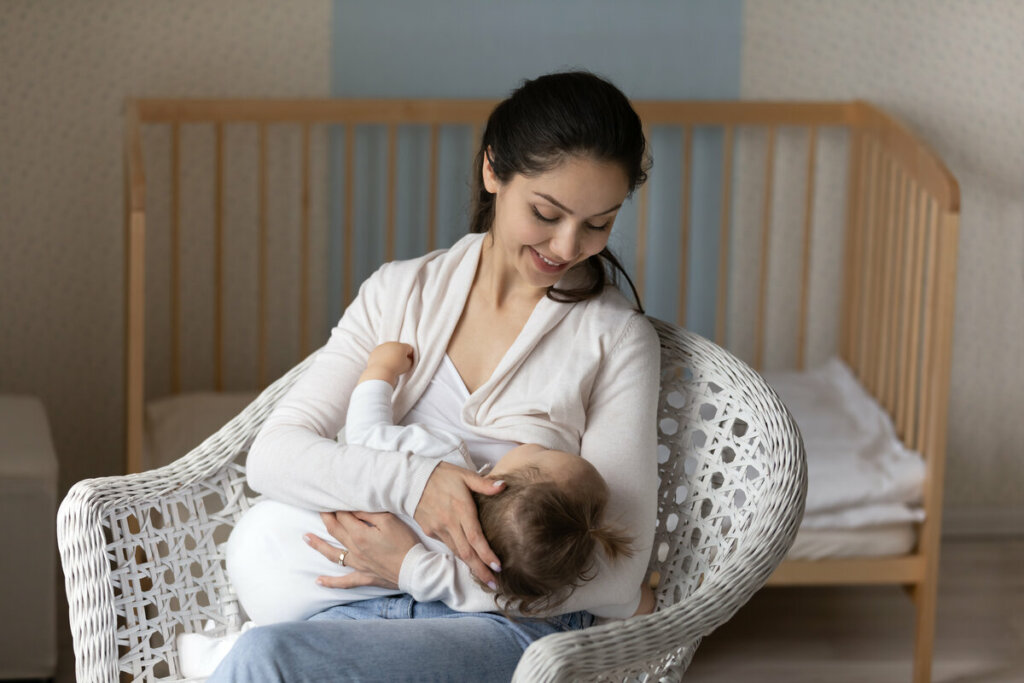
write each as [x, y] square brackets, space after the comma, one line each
[859, 473]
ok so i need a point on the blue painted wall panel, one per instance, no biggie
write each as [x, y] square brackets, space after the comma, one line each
[473, 48]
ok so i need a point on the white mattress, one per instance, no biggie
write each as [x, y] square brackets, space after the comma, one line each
[864, 487]
[871, 541]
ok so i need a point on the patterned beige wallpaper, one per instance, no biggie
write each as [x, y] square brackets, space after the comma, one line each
[67, 66]
[952, 71]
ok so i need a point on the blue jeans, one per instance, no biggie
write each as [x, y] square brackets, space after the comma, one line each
[389, 639]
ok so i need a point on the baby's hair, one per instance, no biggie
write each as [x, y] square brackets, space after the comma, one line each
[545, 535]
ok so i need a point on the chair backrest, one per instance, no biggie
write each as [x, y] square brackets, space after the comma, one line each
[732, 468]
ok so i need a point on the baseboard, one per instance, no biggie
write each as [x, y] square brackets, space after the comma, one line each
[981, 522]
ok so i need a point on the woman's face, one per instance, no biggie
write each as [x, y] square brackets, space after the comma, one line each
[545, 224]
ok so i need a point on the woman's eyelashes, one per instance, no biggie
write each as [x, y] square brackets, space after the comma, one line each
[541, 217]
[554, 219]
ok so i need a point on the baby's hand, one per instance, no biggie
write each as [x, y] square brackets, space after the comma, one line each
[388, 361]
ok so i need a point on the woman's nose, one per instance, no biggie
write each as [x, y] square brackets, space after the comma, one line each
[565, 245]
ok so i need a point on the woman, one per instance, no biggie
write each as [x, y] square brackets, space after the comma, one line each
[519, 338]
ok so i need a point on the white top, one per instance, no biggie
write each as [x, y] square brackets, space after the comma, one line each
[370, 422]
[441, 406]
[580, 377]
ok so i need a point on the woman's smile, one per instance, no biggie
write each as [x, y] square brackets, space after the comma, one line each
[547, 265]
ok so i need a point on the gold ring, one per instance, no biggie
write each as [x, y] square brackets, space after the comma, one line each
[341, 558]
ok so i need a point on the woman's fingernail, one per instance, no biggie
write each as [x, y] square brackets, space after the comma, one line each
[308, 539]
[498, 483]
[493, 586]
[495, 566]
[319, 582]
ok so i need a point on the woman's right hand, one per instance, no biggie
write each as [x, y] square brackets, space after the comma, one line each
[446, 511]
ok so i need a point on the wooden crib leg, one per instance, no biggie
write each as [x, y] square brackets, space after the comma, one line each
[925, 596]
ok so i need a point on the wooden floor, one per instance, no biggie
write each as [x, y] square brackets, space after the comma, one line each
[848, 635]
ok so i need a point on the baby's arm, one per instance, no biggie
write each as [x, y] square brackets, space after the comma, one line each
[388, 362]
[429, 575]
[370, 420]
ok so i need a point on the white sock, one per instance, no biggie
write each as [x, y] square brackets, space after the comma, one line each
[199, 655]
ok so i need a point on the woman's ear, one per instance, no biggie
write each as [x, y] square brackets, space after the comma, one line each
[491, 181]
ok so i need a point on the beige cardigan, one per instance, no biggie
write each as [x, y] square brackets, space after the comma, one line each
[581, 377]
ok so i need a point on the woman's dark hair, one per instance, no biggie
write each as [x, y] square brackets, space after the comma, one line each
[546, 120]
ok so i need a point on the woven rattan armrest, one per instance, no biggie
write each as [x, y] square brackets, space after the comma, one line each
[656, 646]
[142, 553]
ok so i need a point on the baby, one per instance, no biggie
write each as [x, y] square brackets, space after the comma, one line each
[543, 526]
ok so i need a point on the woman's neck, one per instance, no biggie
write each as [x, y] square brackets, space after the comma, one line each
[499, 283]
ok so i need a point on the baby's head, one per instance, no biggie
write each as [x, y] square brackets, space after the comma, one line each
[545, 526]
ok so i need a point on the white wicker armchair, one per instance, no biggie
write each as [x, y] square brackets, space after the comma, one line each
[143, 556]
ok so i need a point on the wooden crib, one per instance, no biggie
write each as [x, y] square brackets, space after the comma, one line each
[836, 234]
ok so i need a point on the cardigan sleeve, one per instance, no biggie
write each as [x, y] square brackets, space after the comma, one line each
[620, 440]
[295, 458]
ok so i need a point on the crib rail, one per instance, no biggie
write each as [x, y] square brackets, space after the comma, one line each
[902, 205]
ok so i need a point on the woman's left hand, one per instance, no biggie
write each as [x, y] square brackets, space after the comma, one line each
[376, 544]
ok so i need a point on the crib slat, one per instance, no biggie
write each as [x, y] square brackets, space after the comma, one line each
[875, 301]
[866, 246]
[684, 238]
[641, 241]
[805, 284]
[902, 361]
[723, 249]
[475, 133]
[947, 232]
[305, 346]
[766, 225]
[897, 313]
[904, 391]
[175, 258]
[855, 194]
[218, 267]
[135, 290]
[875, 276]
[261, 267]
[389, 250]
[432, 198]
[641, 232]
[882, 280]
[886, 290]
[347, 229]
[928, 325]
[913, 343]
